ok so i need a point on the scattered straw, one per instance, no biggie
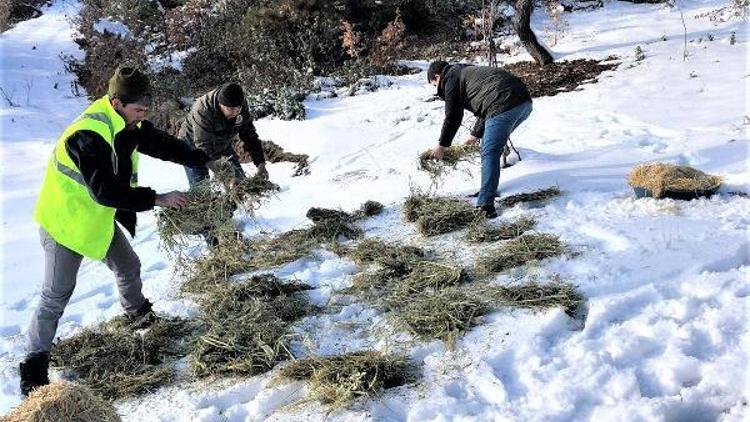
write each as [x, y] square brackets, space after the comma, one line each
[337, 380]
[452, 156]
[209, 212]
[252, 191]
[230, 257]
[276, 154]
[117, 362]
[520, 251]
[480, 231]
[247, 327]
[442, 314]
[539, 195]
[536, 295]
[63, 401]
[397, 259]
[660, 178]
[436, 215]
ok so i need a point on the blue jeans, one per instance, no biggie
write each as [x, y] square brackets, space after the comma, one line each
[196, 175]
[497, 130]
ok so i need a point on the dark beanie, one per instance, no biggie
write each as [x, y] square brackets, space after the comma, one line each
[231, 95]
[130, 85]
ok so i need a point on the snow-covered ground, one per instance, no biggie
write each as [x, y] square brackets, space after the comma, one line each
[667, 282]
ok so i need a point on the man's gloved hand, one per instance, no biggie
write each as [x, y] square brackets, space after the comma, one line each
[261, 171]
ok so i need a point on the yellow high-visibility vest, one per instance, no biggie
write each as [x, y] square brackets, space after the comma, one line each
[65, 207]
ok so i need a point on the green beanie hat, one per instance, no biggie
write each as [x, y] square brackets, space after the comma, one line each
[130, 85]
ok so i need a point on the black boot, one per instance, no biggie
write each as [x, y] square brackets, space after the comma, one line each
[144, 317]
[489, 211]
[34, 372]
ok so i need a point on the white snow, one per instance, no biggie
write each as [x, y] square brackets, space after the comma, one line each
[666, 335]
[113, 27]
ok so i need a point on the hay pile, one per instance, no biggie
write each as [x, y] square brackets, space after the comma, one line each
[208, 213]
[230, 257]
[480, 231]
[522, 250]
[246, 326]
[437, 300]
[436, 215]
[452, 156]
[117, 362]
[276, 154]
[252, 191]
[61, 402]
[539, 195]
[660, 178]
[337, 380]
[442, 314]
[535, 295]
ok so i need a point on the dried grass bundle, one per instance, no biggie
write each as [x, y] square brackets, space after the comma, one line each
[436, 215]
[117, 362]
[337, 380]
[519, 251]
[63, 401]
[480, 231]
[452, 156]
[246, 326]
[660, 178]
[539, 195]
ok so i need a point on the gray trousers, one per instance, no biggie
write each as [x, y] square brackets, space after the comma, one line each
[60, 273]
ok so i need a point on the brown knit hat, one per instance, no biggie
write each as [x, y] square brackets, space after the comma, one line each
[130, 85]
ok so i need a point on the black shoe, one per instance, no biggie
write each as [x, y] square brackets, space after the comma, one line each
[34, 372]
[144, 317]
[489, 211]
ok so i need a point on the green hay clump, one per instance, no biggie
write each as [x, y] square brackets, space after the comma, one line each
[537, 295]
[444, 215]
[660, 178]
[520, 251]
[230, 257]
[426, 276]
[252, 191]
[329, 226]
[246, 327]
[452, 156]
[436, 215]
[396, 259]
[276, 154]
[539, 195]
[369, 209]
[337, 380]
[117, 362]
[208, 212]
[317, 215]
[442, 314]
[413, 204]
[480, 231]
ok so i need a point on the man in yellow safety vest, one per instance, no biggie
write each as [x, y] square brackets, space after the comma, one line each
[90, 183]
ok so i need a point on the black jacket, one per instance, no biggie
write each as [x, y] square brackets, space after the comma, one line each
[111, 187]
[209, 130]
[482, 90]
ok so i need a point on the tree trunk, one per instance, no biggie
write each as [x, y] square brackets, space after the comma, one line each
[522, 25]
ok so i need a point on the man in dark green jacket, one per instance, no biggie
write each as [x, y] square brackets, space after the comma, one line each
[501, 103]
[215, 121]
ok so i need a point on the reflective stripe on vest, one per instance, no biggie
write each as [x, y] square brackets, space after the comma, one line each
[65, 207]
